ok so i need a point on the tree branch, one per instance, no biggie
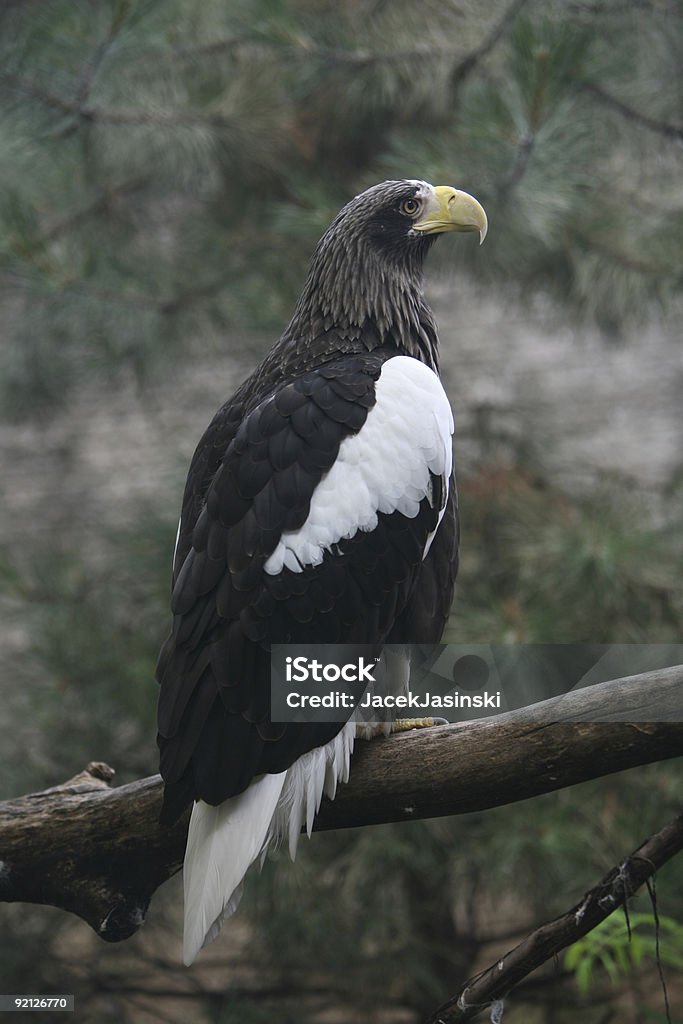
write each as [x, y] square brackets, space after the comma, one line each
[102, 115]
[610, 893]
[469, 62]
[308, 49]
[670, 131]
[100, 852]
[98, 204]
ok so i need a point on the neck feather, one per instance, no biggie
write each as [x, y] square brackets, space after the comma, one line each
[350, 290]
[355, 300]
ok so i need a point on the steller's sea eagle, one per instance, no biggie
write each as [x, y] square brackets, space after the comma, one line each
[320, 507]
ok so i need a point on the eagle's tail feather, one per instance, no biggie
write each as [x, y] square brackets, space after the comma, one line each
[222, 843]
[316, 772]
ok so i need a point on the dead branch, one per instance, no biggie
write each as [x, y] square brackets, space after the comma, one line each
[100, 852]
[610, 893]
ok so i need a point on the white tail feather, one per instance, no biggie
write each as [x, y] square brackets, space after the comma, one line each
[224, 841]
[315, 773]
[222, 844]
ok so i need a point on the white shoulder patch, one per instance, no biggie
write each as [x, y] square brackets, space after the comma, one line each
[385, 467]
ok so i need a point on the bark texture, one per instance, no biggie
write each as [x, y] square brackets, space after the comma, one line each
[99, 851]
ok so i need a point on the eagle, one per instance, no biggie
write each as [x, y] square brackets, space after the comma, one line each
[320, 507]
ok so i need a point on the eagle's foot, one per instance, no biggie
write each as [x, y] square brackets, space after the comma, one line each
[404, 724]
[368, 730]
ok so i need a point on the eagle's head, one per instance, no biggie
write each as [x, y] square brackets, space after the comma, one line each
[364, 285]
[397, 220]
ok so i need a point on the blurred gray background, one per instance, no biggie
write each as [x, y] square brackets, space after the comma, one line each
[166, 169]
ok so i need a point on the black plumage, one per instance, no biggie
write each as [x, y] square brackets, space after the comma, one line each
[252, 479]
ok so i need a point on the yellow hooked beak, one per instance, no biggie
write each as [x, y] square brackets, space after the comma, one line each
[452, 210]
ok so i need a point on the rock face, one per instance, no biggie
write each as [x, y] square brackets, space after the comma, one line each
[580, 405]
[522, 381]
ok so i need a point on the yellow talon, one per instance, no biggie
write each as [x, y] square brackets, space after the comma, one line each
[404, 724]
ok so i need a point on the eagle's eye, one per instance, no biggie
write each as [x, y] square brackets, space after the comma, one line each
[410, 206]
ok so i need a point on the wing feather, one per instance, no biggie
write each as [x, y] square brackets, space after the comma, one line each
[312, 528]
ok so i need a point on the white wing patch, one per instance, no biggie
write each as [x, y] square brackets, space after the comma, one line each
[385, 467]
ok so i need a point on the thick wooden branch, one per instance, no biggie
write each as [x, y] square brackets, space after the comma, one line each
[610, 893]
[99, 851]
[91, 849]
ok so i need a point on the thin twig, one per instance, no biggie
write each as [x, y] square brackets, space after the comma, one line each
[95, 206]
[652, 892]
[340, 55]
[543, 944]
[468, 63]
[100, 115]
[671, 131]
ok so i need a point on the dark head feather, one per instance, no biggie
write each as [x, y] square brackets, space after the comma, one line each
[364, 287]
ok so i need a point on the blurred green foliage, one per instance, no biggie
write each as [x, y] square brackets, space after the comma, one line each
[618, 944]
[595, 570]
[162, 161]
[165, 171]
